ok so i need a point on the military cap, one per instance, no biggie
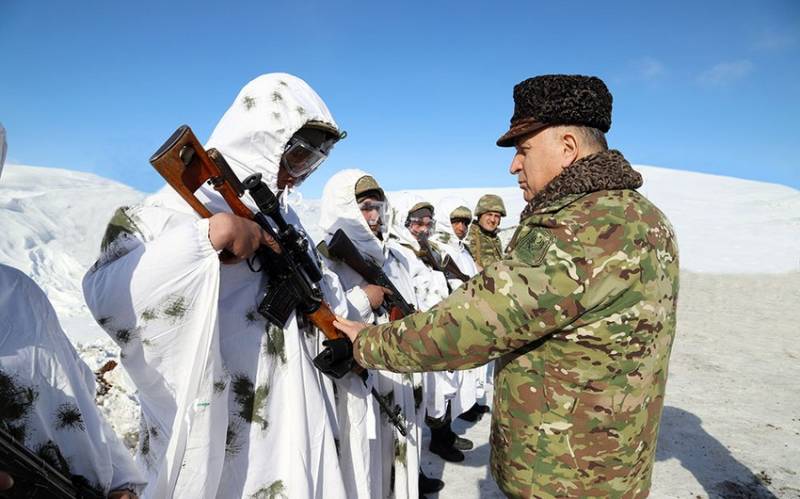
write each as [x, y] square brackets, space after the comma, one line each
[558, 100]
[420, 210]
[316, 132]
[366, 187]
[490, 202]
[461, 213]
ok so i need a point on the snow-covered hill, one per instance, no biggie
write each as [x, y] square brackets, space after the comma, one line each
[52, 221]
[724, 224]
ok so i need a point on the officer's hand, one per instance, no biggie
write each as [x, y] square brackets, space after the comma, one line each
[375, 294]
[6, 482]
[348, 327]
[239, 236]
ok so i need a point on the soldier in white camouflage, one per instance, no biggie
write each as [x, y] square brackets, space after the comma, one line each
[483, 242]
[444, 393]
[580, 314]
[460, 219]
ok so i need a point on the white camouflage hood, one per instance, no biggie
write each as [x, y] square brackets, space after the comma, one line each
[254, 131]
[340, 211]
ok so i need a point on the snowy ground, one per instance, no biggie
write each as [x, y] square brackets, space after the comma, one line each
[731, 424]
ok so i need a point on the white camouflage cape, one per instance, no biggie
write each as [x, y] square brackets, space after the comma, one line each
[47, 393]
[457, 250]
[232, 406]
[430, 287]
[375, 456]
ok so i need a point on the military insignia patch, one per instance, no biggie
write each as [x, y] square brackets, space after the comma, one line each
[532, 248]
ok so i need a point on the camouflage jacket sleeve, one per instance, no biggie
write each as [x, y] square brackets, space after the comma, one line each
[550, 282]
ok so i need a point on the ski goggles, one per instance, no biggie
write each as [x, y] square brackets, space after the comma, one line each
[421, 225]
[301, 158]
[374, 212]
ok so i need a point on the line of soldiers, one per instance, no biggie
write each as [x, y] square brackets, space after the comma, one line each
[579, 311]
[411, 253]
[218, 384]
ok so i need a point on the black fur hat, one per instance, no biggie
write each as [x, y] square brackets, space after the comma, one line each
[558, 100]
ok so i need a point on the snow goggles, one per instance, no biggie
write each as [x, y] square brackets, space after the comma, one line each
[374, 211]
[421, 225]
[301, 158]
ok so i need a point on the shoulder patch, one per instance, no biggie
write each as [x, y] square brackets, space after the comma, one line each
[532, 248]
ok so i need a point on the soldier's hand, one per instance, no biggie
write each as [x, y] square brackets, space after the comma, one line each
[239, 236]
[375, 294]
[348, 327]
[6, 482]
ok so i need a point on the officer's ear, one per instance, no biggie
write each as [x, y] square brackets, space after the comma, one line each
[568, 145]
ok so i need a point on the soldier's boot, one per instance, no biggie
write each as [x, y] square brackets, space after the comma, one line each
[442, 440]
[472, 415]
[429, 485]
[463, 443]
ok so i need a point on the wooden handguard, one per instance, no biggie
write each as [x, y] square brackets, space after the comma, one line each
[323, 318]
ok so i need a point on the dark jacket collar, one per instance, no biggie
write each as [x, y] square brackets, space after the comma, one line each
[603, 171]
[484, 231]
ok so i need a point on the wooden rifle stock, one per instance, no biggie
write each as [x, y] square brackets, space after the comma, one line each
[186, 166]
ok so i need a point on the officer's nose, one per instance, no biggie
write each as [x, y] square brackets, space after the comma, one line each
[516, 165]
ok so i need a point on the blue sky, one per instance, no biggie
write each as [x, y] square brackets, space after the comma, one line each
[423, 88]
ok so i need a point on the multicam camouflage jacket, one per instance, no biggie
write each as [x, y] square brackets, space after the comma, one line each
[485, 248]
[581, 315]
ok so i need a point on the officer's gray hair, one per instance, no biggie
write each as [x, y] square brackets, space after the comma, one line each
[593, 137]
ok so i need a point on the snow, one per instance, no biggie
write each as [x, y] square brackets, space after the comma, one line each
[730, 423]
[52, 221]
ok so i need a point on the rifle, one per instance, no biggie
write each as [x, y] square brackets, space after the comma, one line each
[294, 275]
[34, 477]
[451, 270]
[342, 248]
[447, 267]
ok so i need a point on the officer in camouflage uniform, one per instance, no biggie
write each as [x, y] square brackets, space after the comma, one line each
[580, 315]
[483, 241]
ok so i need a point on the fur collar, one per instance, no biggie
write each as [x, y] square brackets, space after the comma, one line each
[603, 171]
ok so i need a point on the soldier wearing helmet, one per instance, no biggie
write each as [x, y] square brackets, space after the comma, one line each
[483, 241]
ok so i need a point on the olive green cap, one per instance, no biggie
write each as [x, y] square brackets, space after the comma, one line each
[367, 186]
[461, 213]
[422, 205]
